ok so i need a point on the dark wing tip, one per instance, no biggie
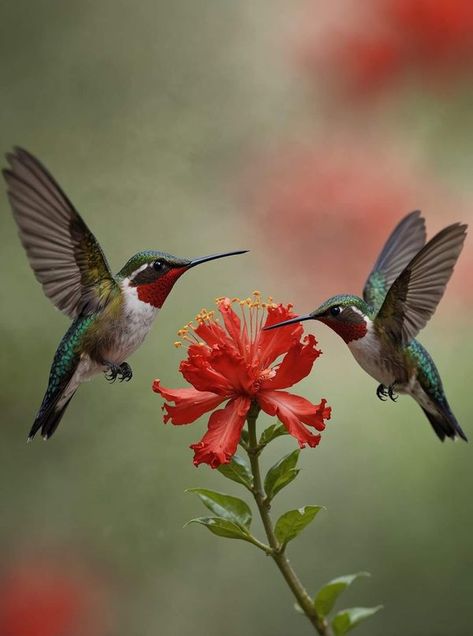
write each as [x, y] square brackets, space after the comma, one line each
[18, 151]
[7, 174]
[16, 154]
[24, 157]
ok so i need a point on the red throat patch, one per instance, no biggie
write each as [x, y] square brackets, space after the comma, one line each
[156, 293]
[347, 330]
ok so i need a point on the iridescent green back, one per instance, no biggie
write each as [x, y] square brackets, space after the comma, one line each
[427, 373]
[66, 359]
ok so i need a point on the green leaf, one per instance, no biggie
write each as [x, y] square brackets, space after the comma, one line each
[281, 474]
[349, 618]
[270, 433]
[223, 528]
[225, 506]
[237, 470]
[292, 522]
[328, 594]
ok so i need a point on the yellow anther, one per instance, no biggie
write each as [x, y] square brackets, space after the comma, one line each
[256, 293]
[178, 344]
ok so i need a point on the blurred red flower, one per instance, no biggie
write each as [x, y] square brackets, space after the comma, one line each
[326, 211]
[384, 42]
[48, 598]
[237, 363]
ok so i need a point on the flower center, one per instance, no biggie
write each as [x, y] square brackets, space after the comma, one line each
[243, 332]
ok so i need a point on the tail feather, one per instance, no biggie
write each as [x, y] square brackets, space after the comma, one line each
[48, 420]
[445, 424]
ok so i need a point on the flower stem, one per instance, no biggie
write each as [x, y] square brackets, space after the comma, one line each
[277, 550]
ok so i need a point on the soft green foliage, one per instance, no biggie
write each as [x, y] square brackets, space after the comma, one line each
[225, 506]
[328, 594]
[347, 619]
[291, 523]
[237, 470]
[281, 474]
[272, 432]
[223, 527]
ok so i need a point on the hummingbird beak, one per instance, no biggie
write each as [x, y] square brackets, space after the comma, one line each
[212, 257]
[290, 322]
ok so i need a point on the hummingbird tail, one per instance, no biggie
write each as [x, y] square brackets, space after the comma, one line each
[445, 424]
[48, 420]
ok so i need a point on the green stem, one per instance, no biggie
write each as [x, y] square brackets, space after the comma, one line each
[277, 550]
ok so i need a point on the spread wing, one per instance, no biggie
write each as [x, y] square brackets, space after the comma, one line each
[64, 254]
[416, 292]
[407, 238]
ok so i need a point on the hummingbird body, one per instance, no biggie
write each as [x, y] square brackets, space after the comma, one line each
[111, 335]
[111, 314]
[400, 295]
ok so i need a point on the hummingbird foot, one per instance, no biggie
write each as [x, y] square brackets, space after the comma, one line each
[113, 372]
[382, 392]
[121, 371]
[125, 372]
[391, 393]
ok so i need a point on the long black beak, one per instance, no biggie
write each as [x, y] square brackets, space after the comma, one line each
[290, 322]
[212, 257]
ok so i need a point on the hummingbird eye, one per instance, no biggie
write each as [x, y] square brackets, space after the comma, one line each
[158, 265]
[334, 311]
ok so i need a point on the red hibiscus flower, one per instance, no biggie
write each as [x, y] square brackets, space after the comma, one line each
[238, 363]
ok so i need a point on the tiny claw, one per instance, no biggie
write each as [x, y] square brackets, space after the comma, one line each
[382, 393]
[126, 372]
[112, 372]
[391, 393]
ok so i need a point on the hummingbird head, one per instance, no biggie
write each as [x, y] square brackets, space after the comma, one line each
[151, 274]
[346, 315]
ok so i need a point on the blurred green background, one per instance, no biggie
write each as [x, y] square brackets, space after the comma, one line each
[150, 114]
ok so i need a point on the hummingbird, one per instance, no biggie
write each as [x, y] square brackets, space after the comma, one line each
[111, 314]
[400, 295]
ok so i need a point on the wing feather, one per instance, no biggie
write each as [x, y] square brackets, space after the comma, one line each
[64, 254]
[415, 294]
[407, 238]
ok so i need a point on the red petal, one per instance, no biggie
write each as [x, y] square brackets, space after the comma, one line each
[211, 333]
[232, 323]
[220, 442]
[296, 365]
[198, 370]
[189, 403]
[272, 344]
[233, 367]
[295, 411]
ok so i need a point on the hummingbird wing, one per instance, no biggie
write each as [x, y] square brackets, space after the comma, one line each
[64, 254]
[407, 238]
[416, 292]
